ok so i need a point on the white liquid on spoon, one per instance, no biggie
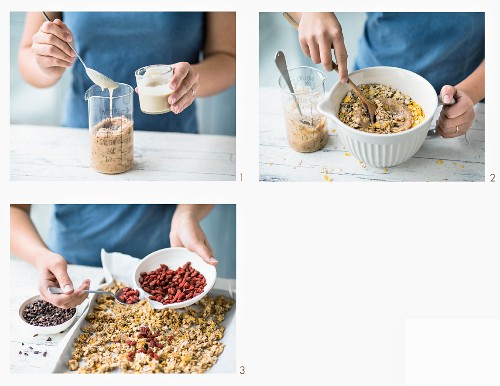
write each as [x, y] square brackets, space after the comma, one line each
[103, 82]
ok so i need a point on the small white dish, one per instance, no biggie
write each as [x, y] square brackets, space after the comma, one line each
[43, 330]
[174, 258]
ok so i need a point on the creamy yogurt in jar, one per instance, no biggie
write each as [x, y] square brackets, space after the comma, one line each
[153, 88]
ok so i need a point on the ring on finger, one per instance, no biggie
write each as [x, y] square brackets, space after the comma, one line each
[192, 91]
[457, 131]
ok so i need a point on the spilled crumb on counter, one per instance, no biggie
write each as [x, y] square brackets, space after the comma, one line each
[440, 162]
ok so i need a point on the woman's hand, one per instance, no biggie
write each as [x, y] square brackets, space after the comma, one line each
[455, 119]
[50, 49]
[185, 86]
[319, 32]
[53, 272]
[186, 232]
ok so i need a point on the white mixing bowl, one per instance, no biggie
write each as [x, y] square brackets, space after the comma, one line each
[383, 150]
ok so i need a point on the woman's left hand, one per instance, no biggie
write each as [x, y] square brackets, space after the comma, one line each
[186, 232]
[455, 119]
[185, 84]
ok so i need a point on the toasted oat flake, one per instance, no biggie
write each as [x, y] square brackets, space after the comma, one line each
[185, 340]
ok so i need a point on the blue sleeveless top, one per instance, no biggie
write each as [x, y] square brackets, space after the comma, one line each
[444, 48]
[78, 232]
[118, 43]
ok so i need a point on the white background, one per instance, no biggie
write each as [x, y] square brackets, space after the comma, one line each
[331, 277]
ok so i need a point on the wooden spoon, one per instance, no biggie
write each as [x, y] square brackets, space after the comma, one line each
[370, 106]
[399, 113]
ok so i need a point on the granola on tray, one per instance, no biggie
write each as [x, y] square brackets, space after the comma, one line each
[139, 339]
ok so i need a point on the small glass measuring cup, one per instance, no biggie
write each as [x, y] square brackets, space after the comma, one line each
[307, 129]
[111, 128]
[153, 88]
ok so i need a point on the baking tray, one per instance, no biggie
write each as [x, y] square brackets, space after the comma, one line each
[226, 362]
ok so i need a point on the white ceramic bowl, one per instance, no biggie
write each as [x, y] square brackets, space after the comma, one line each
[43, 330]
[174, 258]
[383, 150]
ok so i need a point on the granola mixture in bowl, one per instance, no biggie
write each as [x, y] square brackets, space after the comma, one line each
[393, 109]
[390, 149]
[140, 339]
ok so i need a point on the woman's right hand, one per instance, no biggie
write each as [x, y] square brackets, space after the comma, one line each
[50, 48]
[319, 32]
[53, 272]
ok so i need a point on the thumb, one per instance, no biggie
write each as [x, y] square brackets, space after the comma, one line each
[447, 94]
[204, 251]
[61, 273]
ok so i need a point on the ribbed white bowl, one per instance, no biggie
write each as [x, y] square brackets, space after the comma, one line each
[383, 150]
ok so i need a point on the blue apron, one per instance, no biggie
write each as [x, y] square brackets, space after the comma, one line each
[78, 232]
[444, 48]
[118, 43]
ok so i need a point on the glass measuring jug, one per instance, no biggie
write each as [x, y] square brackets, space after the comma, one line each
[307, 130]
[111, 128]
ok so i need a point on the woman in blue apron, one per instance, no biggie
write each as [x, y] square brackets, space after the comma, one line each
[445, 48]
[200, 46]
[78, 232]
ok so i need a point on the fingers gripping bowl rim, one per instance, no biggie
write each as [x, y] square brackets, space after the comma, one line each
[174, 258]
[383, 150]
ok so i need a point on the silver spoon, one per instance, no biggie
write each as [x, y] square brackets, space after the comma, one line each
[117, 295]
[280, 61]
[99, 79]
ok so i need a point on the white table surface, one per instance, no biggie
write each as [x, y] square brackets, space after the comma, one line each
[58, 153]
[23, 285]
[438, 159]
